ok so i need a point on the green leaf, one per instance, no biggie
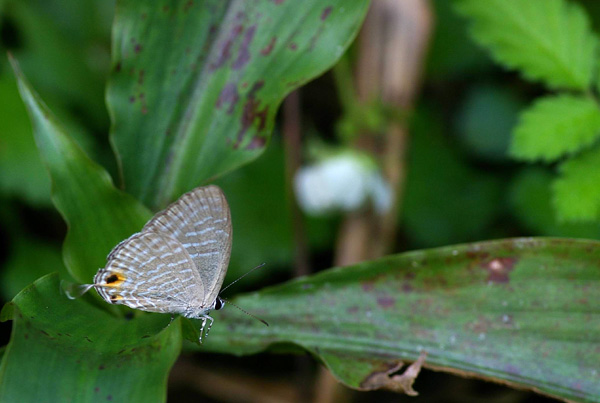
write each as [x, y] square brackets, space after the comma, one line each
[531, 200]
[576, 190]
[548, 40]
[98, 215]
[76, 350]
[554, 126]
[520, 311]
[185, 111]
[21, 171]
[70, 351]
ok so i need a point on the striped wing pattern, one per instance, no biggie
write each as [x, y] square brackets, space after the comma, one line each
[201, 221]
[152, 272]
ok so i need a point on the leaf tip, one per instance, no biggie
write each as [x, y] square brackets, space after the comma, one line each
[7, 312]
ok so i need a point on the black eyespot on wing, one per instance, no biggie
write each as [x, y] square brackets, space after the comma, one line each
[112, 279]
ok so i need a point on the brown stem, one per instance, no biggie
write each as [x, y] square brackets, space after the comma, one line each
[400, 32]
[393, 43]
[292, 138]
[293, 157]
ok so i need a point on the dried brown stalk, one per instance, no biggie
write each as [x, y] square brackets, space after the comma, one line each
[393, 44]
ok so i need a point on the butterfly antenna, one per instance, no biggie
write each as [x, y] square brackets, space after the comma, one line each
[241, 277]
[247, 313]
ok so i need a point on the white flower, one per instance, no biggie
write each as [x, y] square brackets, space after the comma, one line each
[341, 183]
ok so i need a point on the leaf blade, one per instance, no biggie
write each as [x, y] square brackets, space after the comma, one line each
[202, 107]
[576, 196]
[555, 126]
[76, 352]
[547, 40]
[98, 215]
[522, 311]
[53, 337]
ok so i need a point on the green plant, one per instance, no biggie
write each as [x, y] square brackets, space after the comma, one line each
[552, 43]
[519, 311]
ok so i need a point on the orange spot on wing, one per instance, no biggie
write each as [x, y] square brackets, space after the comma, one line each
[114, 279]
[115, 297]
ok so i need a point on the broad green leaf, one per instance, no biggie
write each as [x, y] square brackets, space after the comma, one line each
[530, 197]
[70, 351]
[520, 311]
[195, 86]
[21, 171]
[576, 190]
[75, 350]
[547, 40]
[554, 126]
[98, 215]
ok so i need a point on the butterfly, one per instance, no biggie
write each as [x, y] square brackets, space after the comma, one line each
[176, 264]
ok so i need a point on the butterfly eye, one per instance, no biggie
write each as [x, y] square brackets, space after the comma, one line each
[219, 303]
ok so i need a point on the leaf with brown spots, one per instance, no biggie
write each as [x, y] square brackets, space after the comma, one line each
[525, 312]
[199, 65]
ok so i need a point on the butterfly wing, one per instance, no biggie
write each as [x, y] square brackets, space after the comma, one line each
[201, 221]
[152, 272]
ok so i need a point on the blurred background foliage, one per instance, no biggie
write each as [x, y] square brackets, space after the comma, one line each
[462, 186]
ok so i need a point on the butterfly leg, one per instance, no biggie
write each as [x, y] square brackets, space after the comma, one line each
[209, 326]
[204, 319]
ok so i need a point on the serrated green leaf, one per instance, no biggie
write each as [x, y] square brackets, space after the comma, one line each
[576, 191]
[70, 351]
[188, 110]
[98, 215]
[531, 200]
[547, 40]
[554, 126]
[521, 311]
